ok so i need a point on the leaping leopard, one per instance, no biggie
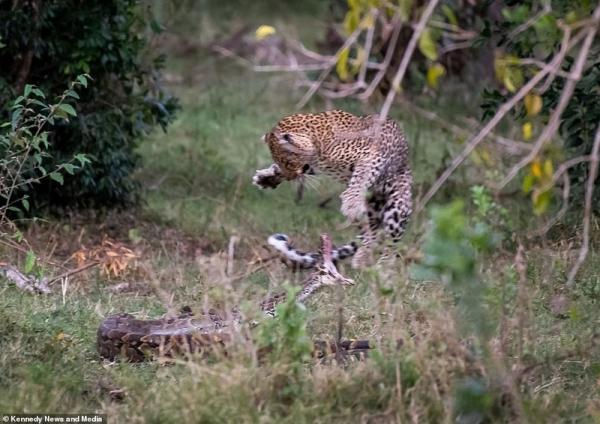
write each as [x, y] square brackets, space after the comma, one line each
[367, 154]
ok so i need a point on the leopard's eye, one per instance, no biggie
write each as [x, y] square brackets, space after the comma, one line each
[305, 168]
[287, 137]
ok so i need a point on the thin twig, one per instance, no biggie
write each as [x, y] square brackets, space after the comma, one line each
[513, 146]
[73, 272]
[230, 254]
[368, 46]
[587, 211]
[389, 54]
[410, 48]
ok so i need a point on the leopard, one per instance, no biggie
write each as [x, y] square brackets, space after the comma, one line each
[367, 154]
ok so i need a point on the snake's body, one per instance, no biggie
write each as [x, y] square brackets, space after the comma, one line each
[136, 340]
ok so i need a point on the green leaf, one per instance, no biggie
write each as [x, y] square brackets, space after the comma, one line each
[61, 114]
[57, 177]
[27, 90]
[427, 45]
[528, 182]
[37, 102]
[16, 116]
[39, 93]
[25, 204]
[73, 94]
[82, 158]
[70, 168]
[434, 73]
[342, 65]
[513, 79]
[29, 262]
[82, 80]
[156, 27]
[541, 201]
[68, 109]
[450, 16]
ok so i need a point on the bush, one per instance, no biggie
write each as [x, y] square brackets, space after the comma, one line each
[48, 43]
[24, 157]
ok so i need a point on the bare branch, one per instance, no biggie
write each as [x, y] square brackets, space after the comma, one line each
[368, 46]
[389, 54]
[587, 211]
[73, 272]
[410, 48]
[512, 146]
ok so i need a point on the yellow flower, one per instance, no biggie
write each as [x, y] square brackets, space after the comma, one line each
[264, 31]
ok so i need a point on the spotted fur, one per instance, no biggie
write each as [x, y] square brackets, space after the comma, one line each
[368, 155]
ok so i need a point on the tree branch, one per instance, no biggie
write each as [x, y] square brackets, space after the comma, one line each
[587, 211]
[410, 48]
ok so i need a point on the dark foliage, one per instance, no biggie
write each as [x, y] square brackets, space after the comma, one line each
[48, 43]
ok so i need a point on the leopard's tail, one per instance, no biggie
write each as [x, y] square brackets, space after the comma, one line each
[299, 259]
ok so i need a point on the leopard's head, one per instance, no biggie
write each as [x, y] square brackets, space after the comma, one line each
[292, 148]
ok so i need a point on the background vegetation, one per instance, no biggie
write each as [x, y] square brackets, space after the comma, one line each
[474, 321]
[48, 44]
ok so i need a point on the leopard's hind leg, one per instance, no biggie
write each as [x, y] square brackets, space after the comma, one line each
[369, 231]
[398, 207]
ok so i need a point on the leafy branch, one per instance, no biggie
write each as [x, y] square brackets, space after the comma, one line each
[24, 145]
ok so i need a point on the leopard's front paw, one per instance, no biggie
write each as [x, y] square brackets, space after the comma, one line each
[353, 206]
[267, 178]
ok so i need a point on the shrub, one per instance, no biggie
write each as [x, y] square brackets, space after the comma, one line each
[48, 43]
[24, 157]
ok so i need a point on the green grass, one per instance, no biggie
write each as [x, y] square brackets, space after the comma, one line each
[198, 194]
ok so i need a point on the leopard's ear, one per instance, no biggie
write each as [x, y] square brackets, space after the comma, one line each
[264, 138]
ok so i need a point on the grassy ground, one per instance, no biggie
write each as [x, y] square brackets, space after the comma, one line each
[544, 365]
